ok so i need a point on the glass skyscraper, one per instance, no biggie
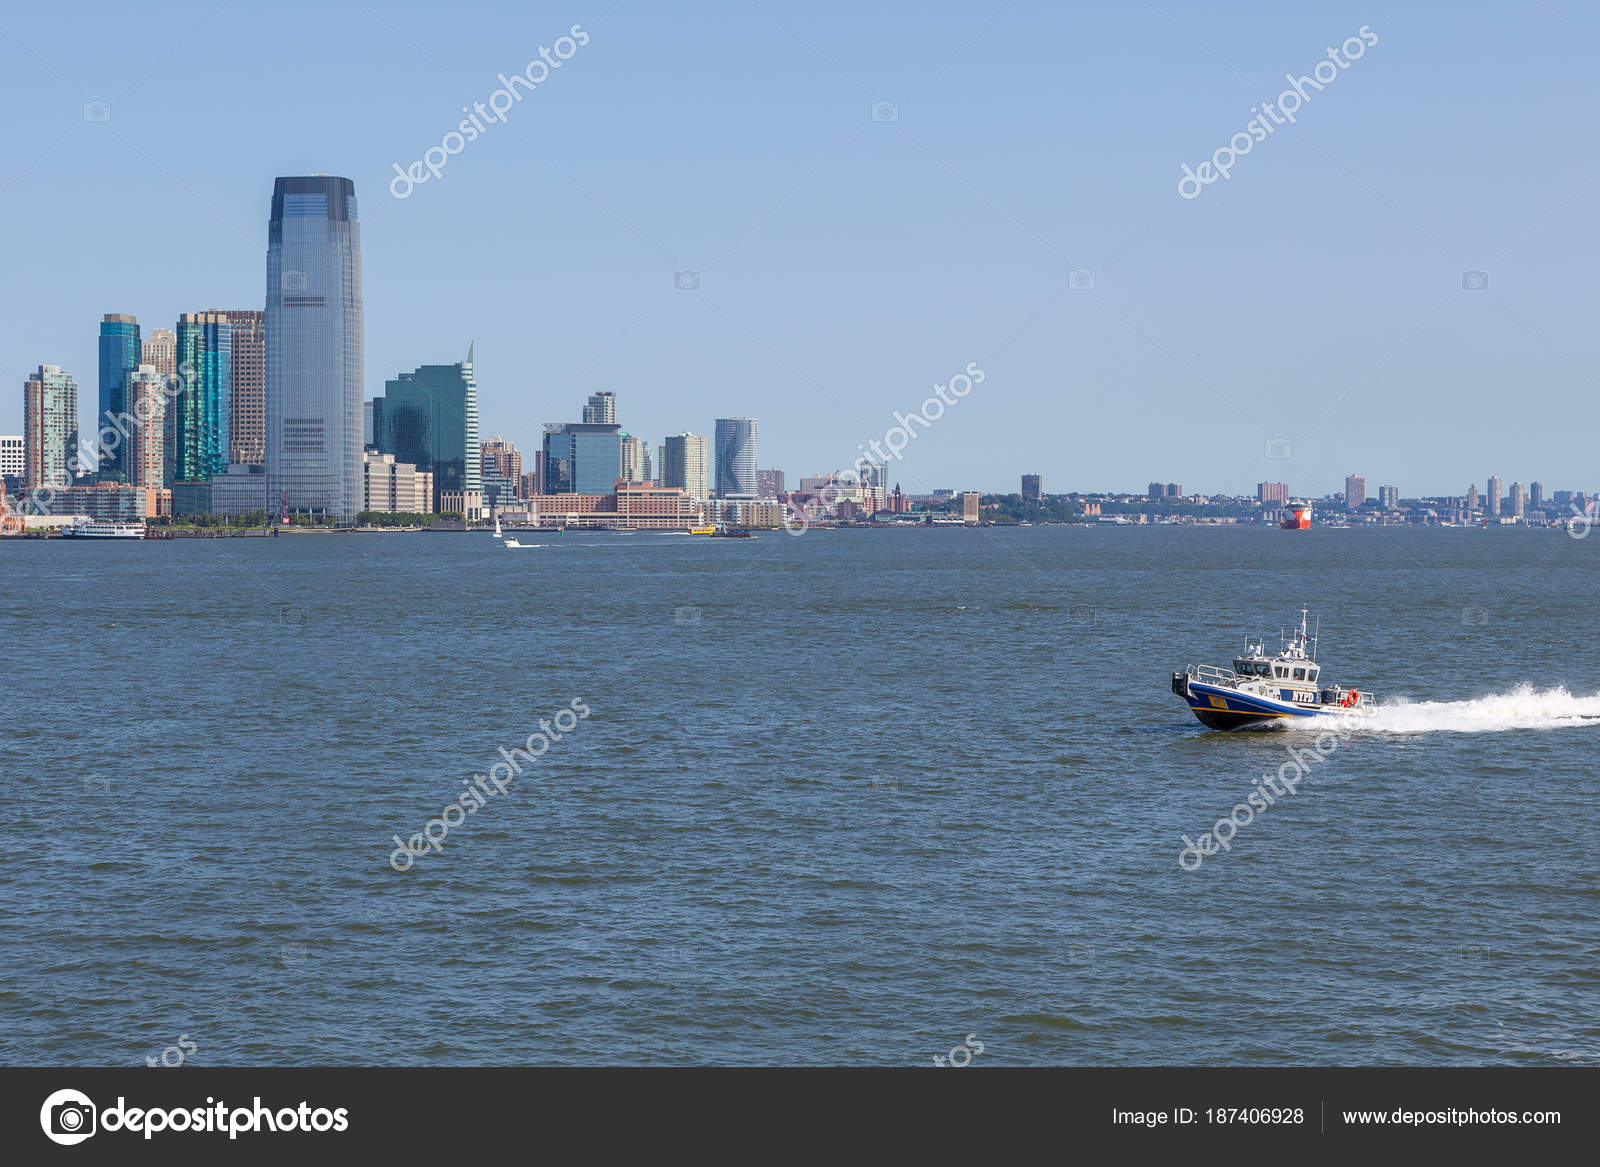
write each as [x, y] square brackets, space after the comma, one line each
[50, 429]
[582, 458]
[119, 356]
[430, 418]
[314, 347]
[204, 401]
[736, 457]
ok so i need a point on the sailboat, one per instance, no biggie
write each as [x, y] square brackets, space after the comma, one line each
[498, 534]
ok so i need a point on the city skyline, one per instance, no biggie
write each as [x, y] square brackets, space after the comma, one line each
[1122, 318]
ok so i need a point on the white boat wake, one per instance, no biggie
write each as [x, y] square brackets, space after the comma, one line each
[1523, 708]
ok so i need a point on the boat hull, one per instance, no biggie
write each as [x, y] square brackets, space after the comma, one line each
[1217, 707]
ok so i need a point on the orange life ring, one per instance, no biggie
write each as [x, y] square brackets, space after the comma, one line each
[1350, 698]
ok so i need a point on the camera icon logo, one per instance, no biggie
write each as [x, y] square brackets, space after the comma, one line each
[1278, 449]
[885, 111]
[1477, 616]
[1080, 279]
[294, 281]
[686, 281]
[1474, 281]
[68, 1117]
[687, 615]
[97, 111]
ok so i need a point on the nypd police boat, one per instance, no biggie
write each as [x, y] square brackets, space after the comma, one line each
[1260, 688]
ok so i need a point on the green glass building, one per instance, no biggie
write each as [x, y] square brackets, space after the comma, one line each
[429, 418]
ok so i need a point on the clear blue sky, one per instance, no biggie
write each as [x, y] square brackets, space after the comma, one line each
[849, 263]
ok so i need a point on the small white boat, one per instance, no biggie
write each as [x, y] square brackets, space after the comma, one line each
[516, 546]
[498, 534]
[1261, 688]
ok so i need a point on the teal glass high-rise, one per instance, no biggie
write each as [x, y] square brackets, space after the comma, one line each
[203, 405]
[119, 356]
[314, 322]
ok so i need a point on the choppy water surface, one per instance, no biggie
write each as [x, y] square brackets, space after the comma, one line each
[843, 798]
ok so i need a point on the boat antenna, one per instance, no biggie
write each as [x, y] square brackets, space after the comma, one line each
[1315, 636]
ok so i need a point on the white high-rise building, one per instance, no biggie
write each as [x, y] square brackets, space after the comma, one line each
[736, 457]
[601, 409]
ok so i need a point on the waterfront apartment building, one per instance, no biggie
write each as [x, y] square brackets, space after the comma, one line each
[1275, 493]
[1492, 498]
[1032, 488]
[582, 457]
[1165, 490]
[686, 464]
[146, 460]
[1519, 501]
[391, 487]
[314, 347]
[1474, 503]
[636, 459]
[1389, 497]
[500, 470]
[1536, 495]
[634, 505]
[204, 399]
[769, 483]
[50, 429]
[248, 411]
[601, 409]
[106, 502]
[736, 457]
[971, 507]
[429, 418]
[119, 356]
[1355, 491]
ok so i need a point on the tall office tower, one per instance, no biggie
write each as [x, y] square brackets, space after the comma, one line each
[160, 352]
[1494, 496]
[1536, 495]
[314, 324]
[736, 457]
[1355, 491]
[502, 456]
[769, 483]
[601, 409]
[147, 403]
[685, 463]
[1031, 488]
[1273, 492]
[1389, 497]
[582, 457]
[661, 462]
[204, 400]
[119, 356]
[1519, 500]
[429, 418]
[50, 429]
[635, 459]
[500, 465]
[248, 443]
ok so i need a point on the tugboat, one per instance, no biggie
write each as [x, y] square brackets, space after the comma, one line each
[1260, 689]
[1297, 517]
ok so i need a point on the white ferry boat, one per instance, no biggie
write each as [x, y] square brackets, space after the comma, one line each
[1261, 688]
[91, 529]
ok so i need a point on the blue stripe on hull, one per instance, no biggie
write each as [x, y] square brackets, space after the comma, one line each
[1200, 700]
